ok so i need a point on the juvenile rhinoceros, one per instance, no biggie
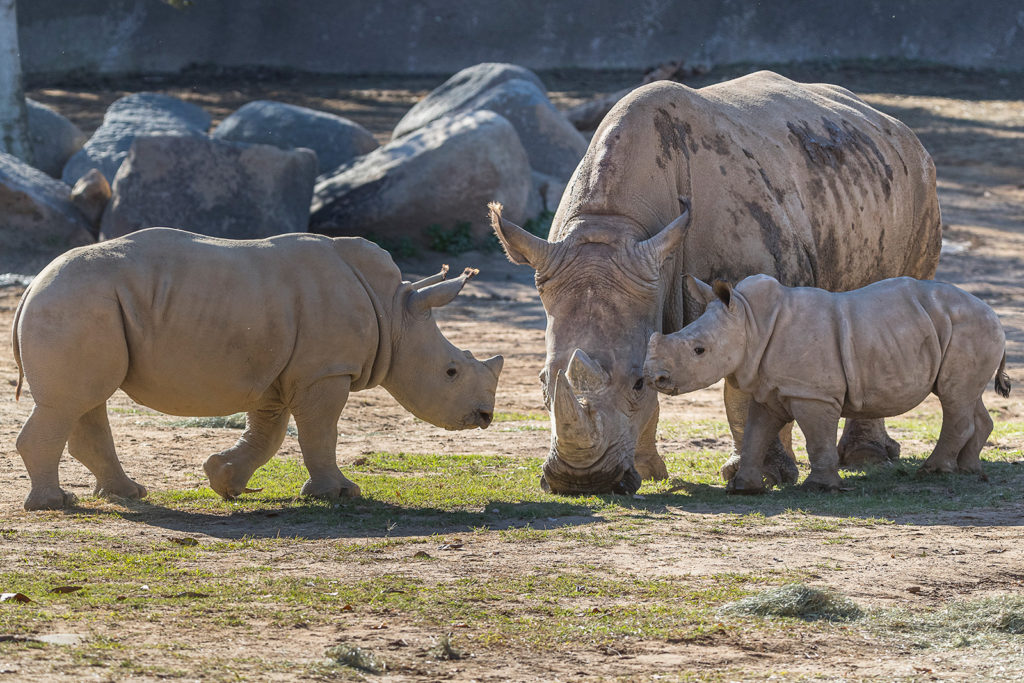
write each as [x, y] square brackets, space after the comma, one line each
[806, 354]
[803, 182]
[191, 325]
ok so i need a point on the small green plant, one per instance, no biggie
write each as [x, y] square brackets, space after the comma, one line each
[357, 658]
[454, 241]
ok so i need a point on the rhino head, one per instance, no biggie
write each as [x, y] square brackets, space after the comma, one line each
[428, 375]
[704, 351]
[601, 287]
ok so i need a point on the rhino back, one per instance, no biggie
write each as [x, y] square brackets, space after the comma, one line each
[212, 325]
[804, 182]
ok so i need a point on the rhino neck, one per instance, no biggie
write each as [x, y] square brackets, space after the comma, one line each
[382, 354]
[758, 330]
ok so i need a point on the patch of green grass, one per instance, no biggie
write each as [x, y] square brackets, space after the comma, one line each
[797, 601]
[454, 241]
[519, 417]
[236, 421]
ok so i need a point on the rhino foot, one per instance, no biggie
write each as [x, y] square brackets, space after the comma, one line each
[732, 488]
[51, 498]
[120, 489]
[331, 489]
[856, 454]
[652, 467]
[779, 467]
[731, 467]
[824, 485]
[932, 468]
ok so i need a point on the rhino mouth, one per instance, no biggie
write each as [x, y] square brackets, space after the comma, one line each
[610, 474]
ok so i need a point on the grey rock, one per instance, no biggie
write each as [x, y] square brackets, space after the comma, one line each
[36, 213]
[443, 174]
[454, 94]
[553, 144]
[143, 113]
[216, 188]
[335, 139]
[53, 137]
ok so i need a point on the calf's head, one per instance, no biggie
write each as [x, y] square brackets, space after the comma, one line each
[602, 292]
[430, 377]
[704, 351]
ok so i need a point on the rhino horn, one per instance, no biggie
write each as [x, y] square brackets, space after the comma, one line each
[520, 246]
[494, 364]
[574, 426]
[432, 280]
[584, 373]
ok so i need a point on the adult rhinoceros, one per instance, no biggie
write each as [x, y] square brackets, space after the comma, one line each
[804, 182]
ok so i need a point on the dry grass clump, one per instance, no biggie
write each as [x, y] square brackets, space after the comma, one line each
[798, 601]
[357, 658]
[958, 624]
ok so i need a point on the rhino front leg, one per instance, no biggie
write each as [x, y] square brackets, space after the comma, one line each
[779, 462]
[761, 430]
[865, 442]
[229, 471]
[317, 411]
[819, 422]
[92, 444]
[650, 465]
[41, 443]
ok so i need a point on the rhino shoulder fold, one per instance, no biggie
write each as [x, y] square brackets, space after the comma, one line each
[373, 263]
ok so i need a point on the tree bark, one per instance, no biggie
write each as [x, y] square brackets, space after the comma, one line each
[14, 138]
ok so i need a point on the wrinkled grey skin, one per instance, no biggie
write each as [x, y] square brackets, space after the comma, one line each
[812, 356]
[192, 325]
[804, 182]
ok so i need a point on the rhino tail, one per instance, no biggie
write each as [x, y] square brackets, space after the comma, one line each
[1002, 379]
[17, 349]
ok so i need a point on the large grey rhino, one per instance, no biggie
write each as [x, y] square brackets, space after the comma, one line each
[804, 182]
[812, 356]
[192, 325]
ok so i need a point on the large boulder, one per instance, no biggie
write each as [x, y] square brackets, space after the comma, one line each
[444, 174]
[37, 218]
[454, 94]
[335, 139]
[53, 137]
[139, 114]
[217, 188]
[552, 143]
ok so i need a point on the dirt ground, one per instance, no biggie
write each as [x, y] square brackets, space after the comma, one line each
[973, 124]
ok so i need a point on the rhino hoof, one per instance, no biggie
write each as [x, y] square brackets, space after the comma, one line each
[122, 489]
[652, 468]
[731, 467]
[331, 489]
[821, 486]
[544, 485]
[53, 498]
[741, 486]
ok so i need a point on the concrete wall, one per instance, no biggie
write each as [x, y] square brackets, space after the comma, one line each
[441, 36]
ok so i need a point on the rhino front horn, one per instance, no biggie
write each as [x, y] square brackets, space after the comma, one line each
[574, 426]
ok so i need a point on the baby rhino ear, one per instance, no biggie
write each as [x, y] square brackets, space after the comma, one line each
[723, 290]
[699, 290]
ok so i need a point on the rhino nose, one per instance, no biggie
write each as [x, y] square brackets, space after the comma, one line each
[483, 418]
[661, 380]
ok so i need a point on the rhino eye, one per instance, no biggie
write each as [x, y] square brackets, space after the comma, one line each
[639, 386]
[452, 372]
[699, 350]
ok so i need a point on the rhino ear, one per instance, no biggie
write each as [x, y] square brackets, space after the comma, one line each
[666, 242]
[699, 290]
[439, 294]
[432, 280]
[723, 290]
[521, 247]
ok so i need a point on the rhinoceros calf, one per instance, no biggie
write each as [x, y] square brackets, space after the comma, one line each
[814, 356]
[191, 325]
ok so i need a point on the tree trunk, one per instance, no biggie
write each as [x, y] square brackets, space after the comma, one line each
[14, 137]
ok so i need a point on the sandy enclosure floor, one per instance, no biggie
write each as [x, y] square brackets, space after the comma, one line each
[975, 131]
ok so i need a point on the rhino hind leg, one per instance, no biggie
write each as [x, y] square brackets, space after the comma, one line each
[229, 470]
[958, 427]
[92, 444]
[866, 442]
[316, 419]
[968, 461]
[761, 432]
[41, 443]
